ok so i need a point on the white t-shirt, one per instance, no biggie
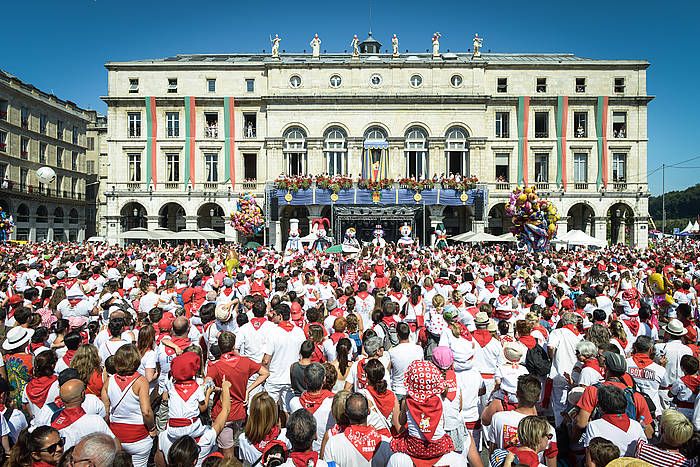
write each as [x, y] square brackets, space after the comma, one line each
[508, 375]
[283, 346]
[15, 424]
[323, 416]
[91, 405]
[463, 350]
[109, 348]
[401, 357]
[251, 342]
[340, 450]
[85, 425]
[625, 440]
[470, 383]
[51, 395]
[648, 380]
[451, 459]
[503, 431]
[564, 341]
[674, 351]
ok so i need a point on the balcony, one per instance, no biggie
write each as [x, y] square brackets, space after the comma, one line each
[172, 186]
[580, 185]
[542, 185]
[620, 185]
[503, 186]
[211, 132]
[211, 186]
[133, 186]
[541, 134]
[250, 185]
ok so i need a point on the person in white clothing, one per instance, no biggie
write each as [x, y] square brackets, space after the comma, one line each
[400, 357]
[262, 430]
[561, 347]
[252, 336]
[649, 376]
[301, 432]
[316, 401]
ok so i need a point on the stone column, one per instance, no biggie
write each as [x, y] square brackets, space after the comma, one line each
[315, 160]
[314, 212]
[601, 228]
[32, 233]
[49, 234]
[641, 232]
[436, 217]
[191, 222]
[152, 222]
[436, 157]
[354, 157]
[478, 226]
[562, 226]
[81, 234]
[112, 228]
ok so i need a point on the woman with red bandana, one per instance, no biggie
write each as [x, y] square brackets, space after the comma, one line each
[261, 430]
[383, 404]
[43, 387]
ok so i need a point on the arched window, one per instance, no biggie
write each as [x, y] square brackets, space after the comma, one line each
[375, 154]
[58, 216]
[42, 215]
[73, 217]
[416, 153]
[295, 151]
[336, 151]
[457, 151]
[22, 213]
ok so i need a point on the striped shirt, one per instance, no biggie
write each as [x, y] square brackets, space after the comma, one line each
[660, 457]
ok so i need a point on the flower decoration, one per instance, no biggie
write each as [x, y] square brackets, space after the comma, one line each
[416, 185]
[293, 183]
[334, 184]
[7, 225]
[534, 218]
[466, 183]
[248, 218]
[375, 185]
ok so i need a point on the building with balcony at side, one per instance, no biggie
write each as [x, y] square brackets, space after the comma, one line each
[38, 129]
[96, 166]
[188, 134]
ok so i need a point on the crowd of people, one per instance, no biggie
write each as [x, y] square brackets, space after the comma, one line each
[190, 355]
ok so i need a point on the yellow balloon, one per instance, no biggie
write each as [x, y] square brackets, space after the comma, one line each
[528, 190]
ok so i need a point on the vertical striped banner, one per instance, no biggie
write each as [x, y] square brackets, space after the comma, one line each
[523, 121]
[601, 126]
[190, 137]
[562, 126]
[151, 142]
[230, 140]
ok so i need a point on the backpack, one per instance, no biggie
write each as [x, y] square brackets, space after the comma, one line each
[538, 362]
[391, 337]
[630, 411]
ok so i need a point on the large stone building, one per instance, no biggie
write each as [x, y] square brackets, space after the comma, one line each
[38, 129]
[97, 166]
[188, 134]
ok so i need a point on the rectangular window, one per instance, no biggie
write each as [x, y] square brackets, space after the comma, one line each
[73, 187]
[250, 123]
[90, 165]
[211, 129]
[172, 167]
[43, 147]
[59, 130]
[133, 85]
[250, 85]
[502, 85]
[295, 163]
[134, 119]
[541, 85]
[43, 122]
[619, 167]
[580, 168]
[91, 143]
[581, 124]
[172, 85]
[541, 168]
[59, 157]
[3, 172]
[619, 85]
[211, 162]
[541, 124]
[211, 85]
[580, 84]
[24, 115]
[3, 109]
[619, 124]
[134, 167]
[250, 167]
[502, 124]
[74, 161]
[23, 176]
[173, 124]
[502, 169]
[3, 141]
[24, 148]
[75, 135]
[416, 166]
[59, 184]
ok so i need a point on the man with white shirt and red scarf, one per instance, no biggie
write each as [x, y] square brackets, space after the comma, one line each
[316, 400]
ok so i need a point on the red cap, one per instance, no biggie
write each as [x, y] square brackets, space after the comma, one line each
[567, 304]
[296, 313]
[184, 367]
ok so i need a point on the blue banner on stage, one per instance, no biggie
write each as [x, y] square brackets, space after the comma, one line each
[438, 196]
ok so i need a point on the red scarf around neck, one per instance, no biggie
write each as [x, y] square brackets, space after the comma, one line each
[528, 341]
[257, 323]
[593, 363]
[312, 401]
[622, 342]
[632, 325]
[482, 336]
[67, 417]
[286, 325]
[451, 380]
[621, 421]
[304, 459]
[365, 439]
[426, 415]
[68, 357]
[642, 360]
[124, 381]
[185, 389]
[692, 382]
[271, 436]
[572, 328]
[384, 402]
[336, 336]
[38, 389]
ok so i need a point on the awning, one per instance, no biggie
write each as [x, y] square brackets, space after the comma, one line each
[140, 233]
[376, 145]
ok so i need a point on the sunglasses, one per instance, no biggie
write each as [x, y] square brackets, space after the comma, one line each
[51, 448]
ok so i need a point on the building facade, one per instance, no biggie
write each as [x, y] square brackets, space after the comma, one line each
[38, 129]
[96, 165]
[188, 134]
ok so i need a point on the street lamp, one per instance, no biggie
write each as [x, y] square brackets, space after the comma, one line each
[136, 212]
[211, 213]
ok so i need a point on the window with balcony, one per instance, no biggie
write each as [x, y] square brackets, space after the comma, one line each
[541, 85]
[336, 151]
[24, 117]
[250, 125]
[172, 123]
[211, 85]
[134, 167]
[416, 154]
[172, 85]
[3, 109]
[75, 135]
[619, 167]
[59, 130]
[74, 161]
[502, 169]
[295, 151]
[457, 151]
[3, 141]
[43, 148]
[619, 85]
[133, 85]
[250, 85]
[134, 121]
[502, 124]
[581, 124]
[43, 123]
[211, 129]
[580, 85]
[24, 148]
[502, 85]
[250, 167]
[619, 124]
[59, 157]
[541, 124]
[211, 167]
[172, 167]
[541, 168]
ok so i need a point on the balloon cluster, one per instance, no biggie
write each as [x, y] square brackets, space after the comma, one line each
[248, 218]
[7, 225]
[534, 219]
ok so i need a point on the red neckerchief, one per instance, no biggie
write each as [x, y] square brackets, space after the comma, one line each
[692, 382]
[572, 328]
[227, 291]
[482, 336]
[642, 360]
[312, 402]
[317, 356]
[365, 439]
[503, 299]
[528, 341]
[257, 323]
[426, 414]
[303, 459]
[336, 336]
[336, 312]
[38, 389]
[621, 421]
[622, 342]
[33, 346]
[384, 402]
[182, 342]
[593, 363]
[185, 389]
[490, 287]
[286, 325]
[525, 456]
[68, 357]
[389, 321]
[124, 381]
[230, 357]
[363, 294]
[41, 464]
[464, 332]
[632, 325]
[67, 417]
[271, 436]
[451, 380]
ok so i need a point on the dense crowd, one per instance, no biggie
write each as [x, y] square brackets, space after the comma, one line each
[467, 355]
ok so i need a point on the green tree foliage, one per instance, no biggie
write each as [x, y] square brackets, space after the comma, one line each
[681, 206]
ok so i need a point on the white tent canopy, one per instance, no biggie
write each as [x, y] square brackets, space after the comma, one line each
[483, 237]
[581, 238]
[463, 237]
[688, 228]
[696, 226]
[508, 237]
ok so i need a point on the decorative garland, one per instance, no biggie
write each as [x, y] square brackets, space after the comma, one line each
[248, 218]
[466, 183]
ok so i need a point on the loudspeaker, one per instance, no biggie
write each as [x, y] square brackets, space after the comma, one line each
[274, 207]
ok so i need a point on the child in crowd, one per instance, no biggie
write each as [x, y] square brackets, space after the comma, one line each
[506, 375]
[685, 390]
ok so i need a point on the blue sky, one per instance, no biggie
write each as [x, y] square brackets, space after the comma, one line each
[61, 46]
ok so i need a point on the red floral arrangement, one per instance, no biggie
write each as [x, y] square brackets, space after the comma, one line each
[467, 183]
[293, 183]
[334, 184]
[375, 185]
[416, 185]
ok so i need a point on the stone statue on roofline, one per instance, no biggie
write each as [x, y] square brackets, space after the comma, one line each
[355, 44]
[395, 46]
[276, 46]
[436, 44]
[315, 47]
[478, 42]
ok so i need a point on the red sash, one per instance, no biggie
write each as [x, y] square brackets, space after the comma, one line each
[365, 439]
[67, 417]
[312, 402]
[128, 433]
[38, 389]
[426, 414]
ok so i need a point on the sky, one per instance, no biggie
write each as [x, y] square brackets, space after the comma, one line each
[62, 46]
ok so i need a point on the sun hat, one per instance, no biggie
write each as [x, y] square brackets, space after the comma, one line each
[481, 319]
[675, 328]
[492, 327]
[470, 298]
[423, 380]
[443, 357]
[223, 312]
[512, 351]
[17, 337]
[450, 312]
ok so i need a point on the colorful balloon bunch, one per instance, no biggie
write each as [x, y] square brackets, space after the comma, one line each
[534, 219]
[7, 225]
[248, 218]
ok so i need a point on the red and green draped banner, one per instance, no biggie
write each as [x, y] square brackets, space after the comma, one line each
[562, 125]
[230, 140]
[523, 120]
[151, 141]
[601, 126]
[190, 138]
